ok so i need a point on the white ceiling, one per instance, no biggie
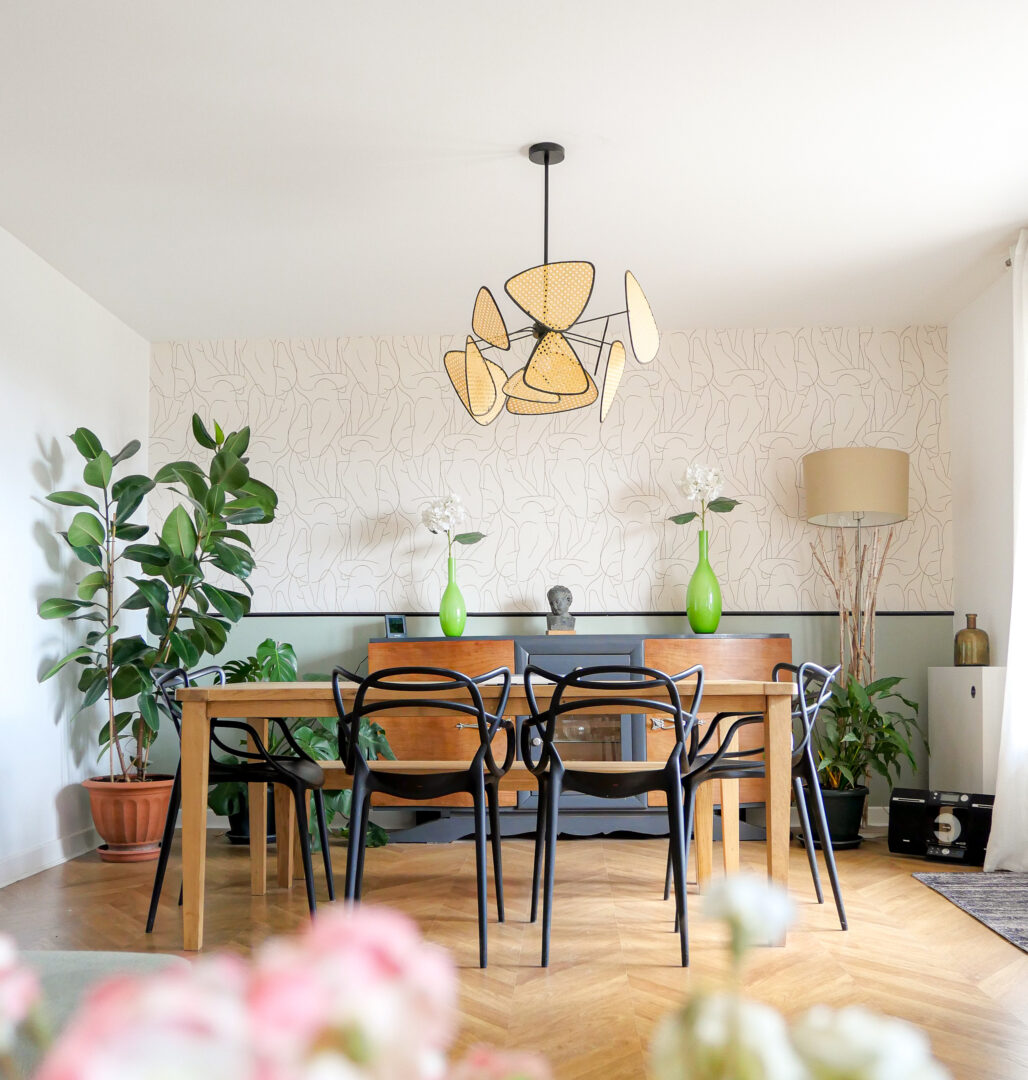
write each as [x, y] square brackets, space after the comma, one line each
[215, 168]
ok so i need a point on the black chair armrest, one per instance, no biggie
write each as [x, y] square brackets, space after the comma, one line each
[499, 771]
[290, 739]
[723, 751]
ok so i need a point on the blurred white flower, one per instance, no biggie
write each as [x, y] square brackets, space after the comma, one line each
[702, 483]
[724, 1037]
[756, 912]
[857, 1044]
[444, 515]
[19, 993]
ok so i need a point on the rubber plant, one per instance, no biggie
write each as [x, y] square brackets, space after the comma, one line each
[275, 661]
[167, 577]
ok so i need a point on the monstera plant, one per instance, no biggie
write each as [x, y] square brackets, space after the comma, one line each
[164, 574]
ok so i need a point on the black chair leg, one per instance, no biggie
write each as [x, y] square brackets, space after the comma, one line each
[362, 846]
[821, 821]
[480, 872]
[300, 798]
[356, 833]
[540, 840]
[678, 829]
[492, 792]
[667, 872]
[326, 855]
[808, 838]
[162, 858]
[552, 814]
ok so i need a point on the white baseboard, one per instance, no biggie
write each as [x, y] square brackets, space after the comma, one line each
[53, 852]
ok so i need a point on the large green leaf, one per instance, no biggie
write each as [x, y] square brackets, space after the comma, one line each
[97, 472]
[87, 444]
[89, 585]
[148, 711]
[238, 441]
[201, 434]
[229, 471]
[187, 473]
[228, 604]
[130, 449]
[149, 554]
[184, 649]
[58, 607]
[469, 537]
[154, 592]
[85, 529]
[91, 554]
[277, 660]
[82, 650]
[73, 498]
[684, 519]
[249, 510]
[178, 534]
[125, 530]
[129, 492]
[127, 682]
[94, 693]
[722, 506]
[264, 495]
[127, 649]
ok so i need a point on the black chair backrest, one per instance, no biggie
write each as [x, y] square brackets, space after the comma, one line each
[814, 688]
[420, 691]
[631, 691]
[172, 680]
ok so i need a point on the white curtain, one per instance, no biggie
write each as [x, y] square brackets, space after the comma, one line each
[1008, 844]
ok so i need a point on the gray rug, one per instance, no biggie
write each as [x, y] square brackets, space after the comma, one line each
[999, 900]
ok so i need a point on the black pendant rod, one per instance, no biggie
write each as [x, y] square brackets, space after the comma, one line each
[546, 208]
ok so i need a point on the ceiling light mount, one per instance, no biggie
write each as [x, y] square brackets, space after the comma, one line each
[553, 295]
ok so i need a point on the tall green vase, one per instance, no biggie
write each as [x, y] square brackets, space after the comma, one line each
[453, 613]
[703, 598]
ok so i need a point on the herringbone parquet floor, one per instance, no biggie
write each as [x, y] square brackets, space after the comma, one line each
[613, 968]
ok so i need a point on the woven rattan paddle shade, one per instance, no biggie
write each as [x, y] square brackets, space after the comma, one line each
[567, 402]
[642, 327]
[612, 377]
[487, 321]
[481, 391]
[554, 294]
[456, 364]
[555, 368]
[516, 387]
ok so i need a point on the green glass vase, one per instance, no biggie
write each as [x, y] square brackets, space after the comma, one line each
[453, 613]
[703, 598]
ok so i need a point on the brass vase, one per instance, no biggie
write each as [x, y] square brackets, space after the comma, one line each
[971, 645]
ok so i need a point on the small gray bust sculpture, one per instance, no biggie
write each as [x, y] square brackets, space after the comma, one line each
[559, 599]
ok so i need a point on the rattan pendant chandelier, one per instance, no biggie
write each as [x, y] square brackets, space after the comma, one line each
[554, 296]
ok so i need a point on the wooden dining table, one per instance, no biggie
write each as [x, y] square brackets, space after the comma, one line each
[257, 702]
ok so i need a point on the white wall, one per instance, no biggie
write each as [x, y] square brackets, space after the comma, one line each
[981, 467]
[64, 362]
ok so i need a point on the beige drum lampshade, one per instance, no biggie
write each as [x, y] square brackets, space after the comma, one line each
[865, 484]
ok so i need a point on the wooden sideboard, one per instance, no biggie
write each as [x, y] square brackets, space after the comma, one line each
[723, 656]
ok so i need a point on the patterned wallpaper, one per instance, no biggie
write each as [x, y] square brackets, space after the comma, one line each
[356, 434]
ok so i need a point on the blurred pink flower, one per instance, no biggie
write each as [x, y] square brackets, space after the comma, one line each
[19, 992]
[485, 1063]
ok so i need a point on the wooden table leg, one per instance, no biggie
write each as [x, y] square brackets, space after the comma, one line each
[730, 812]
[778, 752]
[285, 828]
[703, 831]
[258, 797]
[196, 750]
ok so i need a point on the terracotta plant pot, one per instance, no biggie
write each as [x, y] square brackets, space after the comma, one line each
[129, 815]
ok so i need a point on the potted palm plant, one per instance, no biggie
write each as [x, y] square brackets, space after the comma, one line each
[862, 730]
[167, 577]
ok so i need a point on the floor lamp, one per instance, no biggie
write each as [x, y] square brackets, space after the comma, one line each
[856, 487]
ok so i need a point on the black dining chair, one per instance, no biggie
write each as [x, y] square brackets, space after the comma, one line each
[814, 687]
[297, 771]
[429, 693]
[631, 688]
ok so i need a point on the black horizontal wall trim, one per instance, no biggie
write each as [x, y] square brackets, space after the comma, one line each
[591, 614]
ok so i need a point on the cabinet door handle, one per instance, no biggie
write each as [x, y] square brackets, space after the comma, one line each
[459, 726]
[973, 690]
[657, 724]
[537, 741]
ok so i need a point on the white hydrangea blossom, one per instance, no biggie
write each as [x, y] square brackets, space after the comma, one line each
[857, 1044]
[720, 1035]
[756, 912]
[702, 483]
[444, 515]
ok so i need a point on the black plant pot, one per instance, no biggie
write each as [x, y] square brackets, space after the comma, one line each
[844, 810]
[239, 824]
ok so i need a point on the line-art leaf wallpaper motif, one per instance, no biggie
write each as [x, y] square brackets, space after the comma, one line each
[356, 434]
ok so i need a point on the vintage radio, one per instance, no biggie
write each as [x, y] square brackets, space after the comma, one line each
[949, 825]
